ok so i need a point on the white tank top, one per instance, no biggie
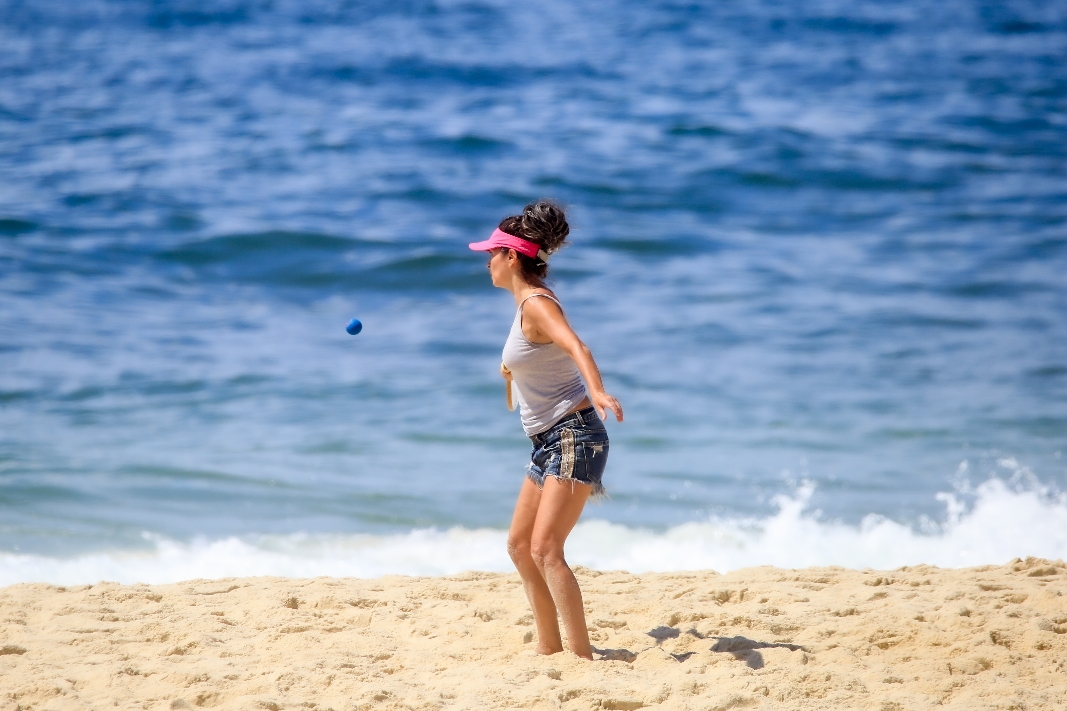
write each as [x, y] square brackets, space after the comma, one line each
[546, 379]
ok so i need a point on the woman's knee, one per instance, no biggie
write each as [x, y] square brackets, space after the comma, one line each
[546, 552]
[518, 549]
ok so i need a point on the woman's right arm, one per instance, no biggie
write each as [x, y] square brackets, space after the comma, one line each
[549, 320]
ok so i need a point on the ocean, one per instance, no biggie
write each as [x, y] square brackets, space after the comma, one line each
[818, 251]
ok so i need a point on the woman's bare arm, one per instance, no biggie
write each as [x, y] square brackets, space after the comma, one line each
[547, 319]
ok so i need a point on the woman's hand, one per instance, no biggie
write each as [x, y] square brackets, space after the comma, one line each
[602, 401]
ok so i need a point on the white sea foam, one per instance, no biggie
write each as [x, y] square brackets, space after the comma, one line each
[1002, 522]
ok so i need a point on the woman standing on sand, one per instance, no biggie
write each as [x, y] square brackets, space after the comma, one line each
[560, 415]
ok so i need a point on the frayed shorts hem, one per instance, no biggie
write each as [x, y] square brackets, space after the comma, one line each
[599, 492]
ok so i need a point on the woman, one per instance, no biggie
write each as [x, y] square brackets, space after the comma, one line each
[561, 415]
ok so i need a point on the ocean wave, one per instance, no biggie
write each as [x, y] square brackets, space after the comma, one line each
[989, 524]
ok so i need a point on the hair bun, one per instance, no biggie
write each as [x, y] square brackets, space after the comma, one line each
[546, 222]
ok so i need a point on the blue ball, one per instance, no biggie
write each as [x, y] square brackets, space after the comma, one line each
[354, 326]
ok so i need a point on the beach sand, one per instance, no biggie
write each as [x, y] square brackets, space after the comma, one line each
[992, 637]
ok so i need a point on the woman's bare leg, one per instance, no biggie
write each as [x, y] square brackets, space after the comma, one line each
[560, 505]
[533, 582]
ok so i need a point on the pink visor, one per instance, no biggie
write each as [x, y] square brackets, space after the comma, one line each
[503, 239]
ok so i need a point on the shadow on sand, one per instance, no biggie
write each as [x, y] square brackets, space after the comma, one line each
[744, 649]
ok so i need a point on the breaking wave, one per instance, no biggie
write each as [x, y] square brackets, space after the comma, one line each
[988, 524]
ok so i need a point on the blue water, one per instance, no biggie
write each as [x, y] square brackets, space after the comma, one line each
[818, 252]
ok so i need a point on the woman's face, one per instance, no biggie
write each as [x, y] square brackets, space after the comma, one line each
[499, 268]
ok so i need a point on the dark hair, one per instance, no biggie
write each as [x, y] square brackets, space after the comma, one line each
[544, 223]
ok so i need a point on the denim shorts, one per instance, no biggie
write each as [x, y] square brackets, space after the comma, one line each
[574, 449]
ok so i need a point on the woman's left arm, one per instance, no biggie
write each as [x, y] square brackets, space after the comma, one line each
[549, 320]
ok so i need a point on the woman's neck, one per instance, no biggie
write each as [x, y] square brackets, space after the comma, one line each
[523, 289]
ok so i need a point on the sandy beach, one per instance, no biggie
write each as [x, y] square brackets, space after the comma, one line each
[992, 637]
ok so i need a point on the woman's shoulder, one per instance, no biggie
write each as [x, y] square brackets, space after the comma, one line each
[547, 298]
[546, 307]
